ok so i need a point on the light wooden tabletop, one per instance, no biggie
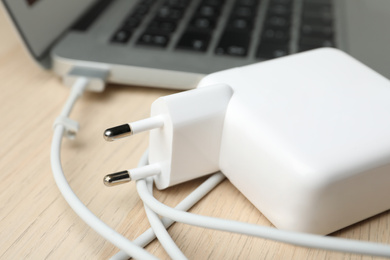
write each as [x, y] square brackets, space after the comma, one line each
[37, 223]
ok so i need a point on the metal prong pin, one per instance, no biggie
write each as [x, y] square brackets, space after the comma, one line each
[116, 178]
[117, 132]
[125, 130]
[133, 174]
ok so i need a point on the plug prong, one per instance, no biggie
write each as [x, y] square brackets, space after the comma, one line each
[132, 175]
[117, 132]
[136, 127]
[117, 178]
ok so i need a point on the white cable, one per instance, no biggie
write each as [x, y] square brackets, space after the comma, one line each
[162, 234]
[73, 201]
[187, 203]
[158, 227]
[295, 238]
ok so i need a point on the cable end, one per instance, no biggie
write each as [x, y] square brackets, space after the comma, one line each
[117, 132]
[116, 178]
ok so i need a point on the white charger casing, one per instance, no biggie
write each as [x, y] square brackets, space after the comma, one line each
[188, 145]
[306, 139]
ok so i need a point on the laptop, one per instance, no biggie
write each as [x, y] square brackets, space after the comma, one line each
[174, 43]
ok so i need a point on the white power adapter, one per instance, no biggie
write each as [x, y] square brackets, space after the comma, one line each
[306, 138]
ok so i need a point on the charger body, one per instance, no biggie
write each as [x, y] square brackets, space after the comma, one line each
[188, 146]
[306, 138]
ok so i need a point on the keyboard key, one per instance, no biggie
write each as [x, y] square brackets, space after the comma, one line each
[181, 4]
[248, 3]
[208, 11]
[147, 2]
[243, 12]
[286, 3]
[322, 16]
[283, 2]
[121, 36]
[216, 3]
[271, 51]
[131, 23]
[141, 10]
[202, 23]
[317, 20]
[239, 24]
[152, 39]
[233, 43]
[317, 31]
[162, 26]
[275, 35]
[279, 9]
[275, 21]
[317, 8]
[317, 1]
[168, 13]
[195, 41]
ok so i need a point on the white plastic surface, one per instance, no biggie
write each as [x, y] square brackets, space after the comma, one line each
[135, 76]
[307, 139]
[195, 119]
[146, 124]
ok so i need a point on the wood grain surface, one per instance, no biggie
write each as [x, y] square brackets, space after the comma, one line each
[37, 223]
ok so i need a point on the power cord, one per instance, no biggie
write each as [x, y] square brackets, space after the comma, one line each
[294, 238]
[65, 126]
[158, 227]
[187, 203]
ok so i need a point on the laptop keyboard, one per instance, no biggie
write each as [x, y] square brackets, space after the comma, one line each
[198, 32]
[272, 29]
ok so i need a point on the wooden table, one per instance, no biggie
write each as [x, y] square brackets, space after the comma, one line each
[37, 223]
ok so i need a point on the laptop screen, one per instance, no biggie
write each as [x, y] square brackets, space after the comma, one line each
[41, 22]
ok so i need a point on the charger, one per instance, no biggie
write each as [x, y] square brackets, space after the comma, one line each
[305, 138]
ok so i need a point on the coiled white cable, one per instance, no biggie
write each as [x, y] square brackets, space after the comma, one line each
[67, 192]
[162, 234]
[294, 238]
[187, 203]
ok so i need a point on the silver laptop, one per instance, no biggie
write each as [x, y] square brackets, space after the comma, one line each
[173, 43]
